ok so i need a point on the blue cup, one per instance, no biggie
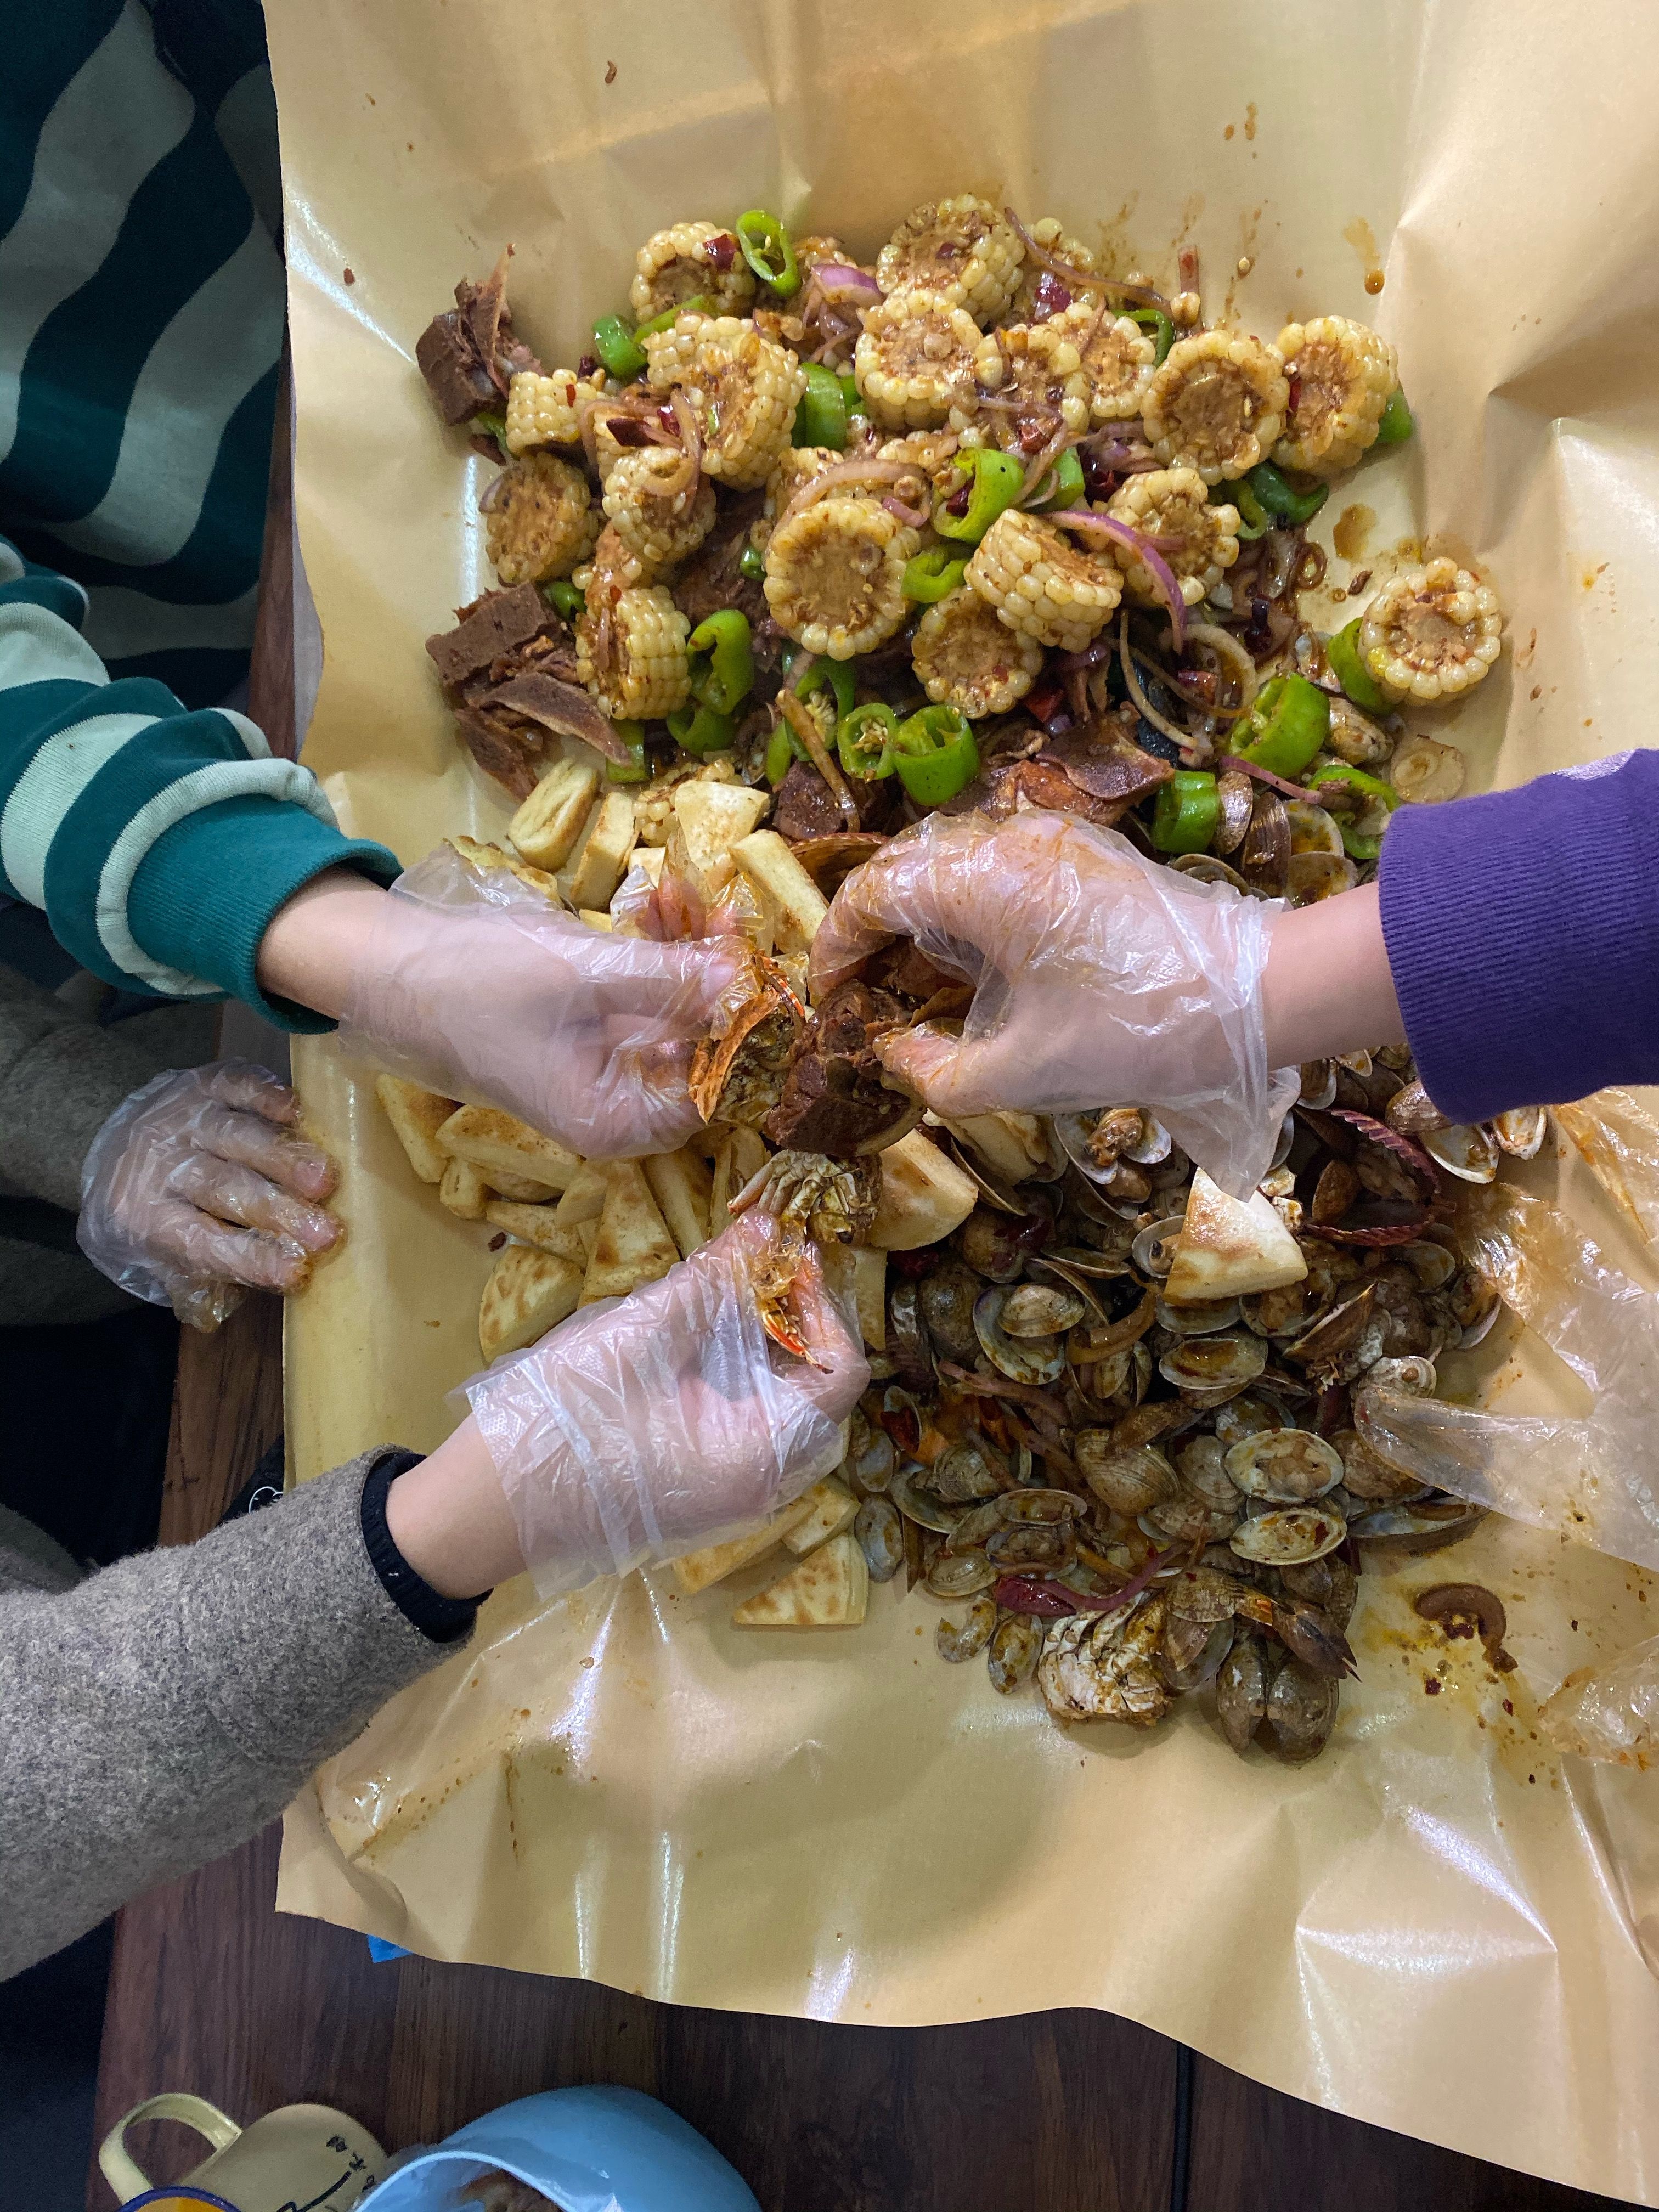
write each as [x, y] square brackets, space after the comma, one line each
[589, 2150]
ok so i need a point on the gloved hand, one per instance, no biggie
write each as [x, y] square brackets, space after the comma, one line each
[474, 986]
[1101, 978]
[1595, 1476]
[198, 1184]
[646, 1426]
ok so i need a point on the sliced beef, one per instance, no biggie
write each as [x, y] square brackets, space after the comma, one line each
[491, 628]
[562, 708]
[712, 578]
[1102, 759]
[805, 809]
[507, 755]
[834, 1098]
[469, 354]
[905, 970]
[1005, 785]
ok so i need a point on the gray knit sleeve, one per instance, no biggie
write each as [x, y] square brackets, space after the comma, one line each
[162, 1710]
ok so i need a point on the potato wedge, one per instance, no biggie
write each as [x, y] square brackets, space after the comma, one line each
[833, 1508]
[538, 1225]
[488, 859]
[924, 1195]
[597, 866]
[681, 1185]
[525, 1190]
[463, 1190]
[714, 819]
[870, 1292]
[1013, 1146]
[633, 1245]
[650, 858]
[697, 1571]
[1230, 1248]
[584, 1197]
[596, 919]
[417, 1117]
[828, 1589]
[492, 1140]
[797, 904]
[545, 829]
[527, 1293]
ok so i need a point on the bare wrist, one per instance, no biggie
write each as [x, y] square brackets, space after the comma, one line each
[450, 1519]
[314, 947]
[1328, 988]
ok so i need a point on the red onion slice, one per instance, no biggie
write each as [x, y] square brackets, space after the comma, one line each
[845, 285]
[1265, 775]
[1075, 279]
[1145, 549]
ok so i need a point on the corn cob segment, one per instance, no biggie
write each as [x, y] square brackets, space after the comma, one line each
[744, 386]
[931, 451]
[1217, 405]
[1038, 367]
[1171, 503]
[546, 411]
[968, 659]
[915, 360]
[1050, 234]
[1341, 374]
[960, 250]
[540, 522]
[795, 466]
[1431, 633]
[1117, 359]
[658, 528]
[835, 575]
[630, 651]
[688, 261]
[1042, 583]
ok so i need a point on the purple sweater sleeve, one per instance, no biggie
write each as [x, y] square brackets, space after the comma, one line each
[1523, 931]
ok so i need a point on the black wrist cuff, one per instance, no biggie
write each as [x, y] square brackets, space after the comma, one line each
[445, 1620]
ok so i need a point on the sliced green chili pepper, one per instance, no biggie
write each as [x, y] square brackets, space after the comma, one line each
[700, 305]
[700, 728]
[493, 426]
[820, 673]
[751, 562]
[1186, 812]
[850, 393]
[783, 749]
[1396, 425]
[864, 740]
[614, 343]
[1163, 329]
[821, 411]
[1362, 833]
[722, 661]
[635, 769]
[564, 599]
[1348, 667]
[1065, 480]
[1252, 520]
[766, 248]
[935, 755]
[932, 575]
[1276, 497]
[994, 483]
[1288, 724]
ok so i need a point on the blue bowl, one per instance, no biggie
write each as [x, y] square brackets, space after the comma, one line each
[589, 2150]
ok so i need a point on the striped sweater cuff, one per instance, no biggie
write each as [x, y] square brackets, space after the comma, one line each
[97, 781]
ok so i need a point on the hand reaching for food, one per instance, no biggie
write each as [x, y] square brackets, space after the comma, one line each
[1099, 977]
[642, 1428]
[477, 988]
[198, 1185]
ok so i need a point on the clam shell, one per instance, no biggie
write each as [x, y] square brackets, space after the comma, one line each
[1014, 1650]
[1311, 877]
[955, 1644]
[1470, 1154]
[1201, 1317]
[1205, 868]
[1288, 1467]
[1250, 1414]
[1288, 1535]
[1153, 1249]
[1032, 1311]
[1046, 1507]
[880, 1533]
[1520, 1132]
[1128, 1480]
[959, 1574]
[1318, 1085]
[1432, 1264]
[1227, 1362]
[965, 1471]
[920, 1505]
[1035, 1360]
[1313, 829]
[1031, 1547]
[1425, 1526]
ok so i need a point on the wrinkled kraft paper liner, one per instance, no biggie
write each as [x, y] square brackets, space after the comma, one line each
[1435, 1926]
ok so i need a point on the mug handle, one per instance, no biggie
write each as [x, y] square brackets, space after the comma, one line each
[117, 2164]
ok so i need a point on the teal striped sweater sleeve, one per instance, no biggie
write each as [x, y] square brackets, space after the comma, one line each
[159, 841]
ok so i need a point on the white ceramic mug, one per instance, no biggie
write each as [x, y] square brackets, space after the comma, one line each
[301, 2158]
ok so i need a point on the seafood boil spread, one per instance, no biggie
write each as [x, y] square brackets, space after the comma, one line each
[802, 550]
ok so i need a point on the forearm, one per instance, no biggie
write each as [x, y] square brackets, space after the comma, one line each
[1328, 987]
[450, 1519]
[317, 944]
[164, 1710]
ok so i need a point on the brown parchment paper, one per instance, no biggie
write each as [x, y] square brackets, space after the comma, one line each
[1435, 1927]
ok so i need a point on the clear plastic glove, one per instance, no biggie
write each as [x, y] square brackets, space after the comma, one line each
[474, 986]
[1101, 978]
[646, 1426]
[198, 1185]
[1592, 1477]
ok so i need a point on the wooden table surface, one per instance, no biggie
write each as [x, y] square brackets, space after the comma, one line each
[212, 1991]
